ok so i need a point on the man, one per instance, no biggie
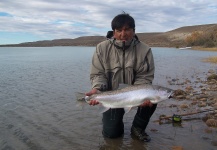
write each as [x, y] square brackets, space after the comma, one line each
[122, 59]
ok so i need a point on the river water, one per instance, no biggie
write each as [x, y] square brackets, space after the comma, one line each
[38, 108]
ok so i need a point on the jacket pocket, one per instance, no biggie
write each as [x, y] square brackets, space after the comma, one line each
[112, 70]
[129, 72]
[112, 67]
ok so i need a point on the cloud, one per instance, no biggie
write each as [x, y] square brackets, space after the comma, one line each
[52, 19]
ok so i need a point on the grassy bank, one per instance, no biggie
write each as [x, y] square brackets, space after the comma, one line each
[204, 48]
[212, 59]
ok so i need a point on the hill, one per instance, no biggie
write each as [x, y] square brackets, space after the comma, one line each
[173, 38]
[177, 37]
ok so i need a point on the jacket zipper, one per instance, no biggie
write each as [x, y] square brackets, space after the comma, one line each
[123, 65]
[146, 61]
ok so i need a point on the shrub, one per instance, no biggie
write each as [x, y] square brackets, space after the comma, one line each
[201, 39]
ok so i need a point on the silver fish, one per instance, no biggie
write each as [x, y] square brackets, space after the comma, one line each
[131, 96]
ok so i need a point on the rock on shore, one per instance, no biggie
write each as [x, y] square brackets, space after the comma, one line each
[200, 94]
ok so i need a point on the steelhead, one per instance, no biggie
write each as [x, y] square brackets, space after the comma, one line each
[131, 96]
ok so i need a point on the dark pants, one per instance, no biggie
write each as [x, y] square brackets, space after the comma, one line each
[113, 125]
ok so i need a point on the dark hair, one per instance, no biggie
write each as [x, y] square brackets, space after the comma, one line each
[121, 20]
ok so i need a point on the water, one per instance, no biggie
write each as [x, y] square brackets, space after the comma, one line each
[38, 106]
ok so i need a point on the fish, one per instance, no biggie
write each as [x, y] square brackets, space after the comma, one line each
[130, 96]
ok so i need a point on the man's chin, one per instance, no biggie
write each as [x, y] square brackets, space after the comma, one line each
[124, 40]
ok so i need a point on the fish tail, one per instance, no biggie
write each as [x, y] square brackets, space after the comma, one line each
[80, 96]
[80, 100]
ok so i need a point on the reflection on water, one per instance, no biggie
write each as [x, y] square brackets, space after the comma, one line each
[38, 108]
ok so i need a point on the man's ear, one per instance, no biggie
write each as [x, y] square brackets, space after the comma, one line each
[114, 33]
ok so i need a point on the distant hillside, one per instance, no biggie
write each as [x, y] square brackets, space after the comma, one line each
[81, 41]
[173, 38]
[177, 37]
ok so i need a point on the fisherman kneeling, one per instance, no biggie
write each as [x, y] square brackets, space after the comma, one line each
[122, 58]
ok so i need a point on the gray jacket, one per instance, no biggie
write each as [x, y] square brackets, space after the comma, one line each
[113, 63]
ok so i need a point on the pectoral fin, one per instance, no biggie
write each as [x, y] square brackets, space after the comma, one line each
[103, 109]
[127, 109]
[80, 96]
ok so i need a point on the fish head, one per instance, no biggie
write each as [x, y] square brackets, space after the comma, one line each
[162, 94]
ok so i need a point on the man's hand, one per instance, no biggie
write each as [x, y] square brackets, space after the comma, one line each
[147, 103]
[93, 102]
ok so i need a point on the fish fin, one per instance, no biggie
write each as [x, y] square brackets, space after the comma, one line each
[127, 109]
[80, 100]
[80, 96]
[103, 109]
[80, 104]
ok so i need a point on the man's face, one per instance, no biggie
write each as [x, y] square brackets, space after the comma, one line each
[124, 34]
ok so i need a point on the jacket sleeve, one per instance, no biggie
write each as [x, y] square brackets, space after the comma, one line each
[97, 75]
[145, 73]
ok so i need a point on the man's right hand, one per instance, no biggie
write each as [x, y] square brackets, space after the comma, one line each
[93, 102]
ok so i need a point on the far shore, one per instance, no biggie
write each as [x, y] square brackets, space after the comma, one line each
[212, 59]
[204, 48]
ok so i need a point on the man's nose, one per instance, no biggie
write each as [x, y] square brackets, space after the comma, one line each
[123, 32]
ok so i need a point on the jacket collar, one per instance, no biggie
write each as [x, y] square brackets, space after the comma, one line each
[122, 45]
[119, 44]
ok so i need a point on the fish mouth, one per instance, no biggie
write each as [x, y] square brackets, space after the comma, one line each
[170, 95]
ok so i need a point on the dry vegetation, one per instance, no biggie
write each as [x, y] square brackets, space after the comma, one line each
[202, 38]
[211, 59]
[204, 48]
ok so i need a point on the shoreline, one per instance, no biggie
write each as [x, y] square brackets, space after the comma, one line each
[200, 94]
[211, 59]
[204, 48]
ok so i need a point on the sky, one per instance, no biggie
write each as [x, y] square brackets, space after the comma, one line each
[36, 20]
